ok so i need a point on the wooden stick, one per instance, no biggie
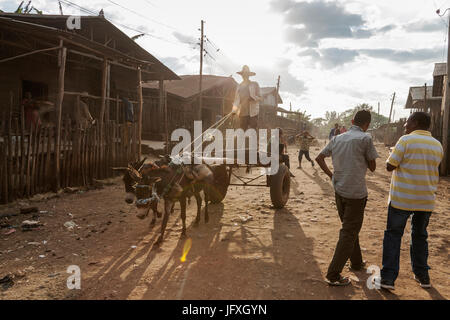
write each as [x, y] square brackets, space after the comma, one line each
[29, 53]
[16, 159]
[59, 101]
[10, 160]
[48, 171]
[22, 153]
[141, 103]
[28, 178]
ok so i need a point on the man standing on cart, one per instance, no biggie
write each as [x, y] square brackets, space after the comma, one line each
[246, 102]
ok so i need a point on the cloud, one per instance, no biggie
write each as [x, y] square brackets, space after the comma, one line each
[425, 25]
[404, 56]
[309, 22]
[184, 38]
[334, 57]
[289, 83]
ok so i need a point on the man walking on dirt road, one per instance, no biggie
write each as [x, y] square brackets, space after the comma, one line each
[352, 153]
[305, 140]
[415, 164]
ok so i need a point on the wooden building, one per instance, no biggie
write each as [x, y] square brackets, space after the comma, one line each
[57, 66]
[268, 108]
[439, 80]
[418, 100]
[183, 99]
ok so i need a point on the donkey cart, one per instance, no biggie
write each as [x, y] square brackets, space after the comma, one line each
[278, 183]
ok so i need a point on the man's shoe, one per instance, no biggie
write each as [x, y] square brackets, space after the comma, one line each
[312, 162]
[299, 167]
[342, 281]
[360, 267]
[424, 281]
[387, 284]
[292, 176]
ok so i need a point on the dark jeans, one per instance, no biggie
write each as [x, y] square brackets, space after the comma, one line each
[351, 213]
[396, 223]
[247, 122]
[300, 156]
[285, 158]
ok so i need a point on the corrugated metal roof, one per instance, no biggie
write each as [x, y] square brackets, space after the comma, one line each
[56, 25]
[440, 69]
[417, 95]
[268, 90]
[188, 86]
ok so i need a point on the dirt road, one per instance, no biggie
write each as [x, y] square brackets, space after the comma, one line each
[277, 254]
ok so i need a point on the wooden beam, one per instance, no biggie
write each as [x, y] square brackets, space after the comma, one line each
[141, 103]
[59, 101]
[91, 56]
[108, 92]
[161, 105]
[166, 124]
[445, 126]
[104, 88]
[29, 53]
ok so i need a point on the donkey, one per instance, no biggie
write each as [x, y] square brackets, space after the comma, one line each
[173, 183]
[130, 178]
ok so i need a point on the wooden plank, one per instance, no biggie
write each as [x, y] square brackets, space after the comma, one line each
[82, 164]
[36, 161]
[64, 172]
[445, 124]
[113, 144]
[5, 174]
[32, 158]
[16, 158]
[10, 160]
[69, 154]
[40, 180]
[22, 153]
[140, 108]
[59, 101]
[48, 157]
[29, 159]
[117, 109]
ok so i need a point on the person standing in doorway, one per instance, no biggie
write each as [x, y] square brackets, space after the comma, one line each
[414, 162]
[352, 153]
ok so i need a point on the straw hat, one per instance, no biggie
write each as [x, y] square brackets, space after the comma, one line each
[246, 71]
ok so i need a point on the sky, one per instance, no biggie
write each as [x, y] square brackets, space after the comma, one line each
[331, 55]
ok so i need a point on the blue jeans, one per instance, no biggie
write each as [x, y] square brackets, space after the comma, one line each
[396, 223]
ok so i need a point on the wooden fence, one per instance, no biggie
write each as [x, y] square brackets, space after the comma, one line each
[27, 157]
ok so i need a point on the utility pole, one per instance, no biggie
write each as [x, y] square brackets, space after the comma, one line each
[445, 129]
[278, 85]
[425, 99]
[202, 37]
[60, 8]
[392, 106]
[378, 109]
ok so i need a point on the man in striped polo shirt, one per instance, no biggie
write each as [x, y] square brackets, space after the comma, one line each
[415, 164]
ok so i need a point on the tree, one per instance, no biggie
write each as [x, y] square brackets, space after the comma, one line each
[27, 10]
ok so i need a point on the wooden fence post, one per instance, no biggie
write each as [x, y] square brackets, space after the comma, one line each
[59, 101]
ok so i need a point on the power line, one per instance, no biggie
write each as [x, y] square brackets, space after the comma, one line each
[142, 16]
[72, 4]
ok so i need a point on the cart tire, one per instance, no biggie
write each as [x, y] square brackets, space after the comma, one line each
[280, 186]
[221, 183]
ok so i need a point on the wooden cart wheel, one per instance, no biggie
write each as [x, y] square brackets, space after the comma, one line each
[280, 186]
[221, 183]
